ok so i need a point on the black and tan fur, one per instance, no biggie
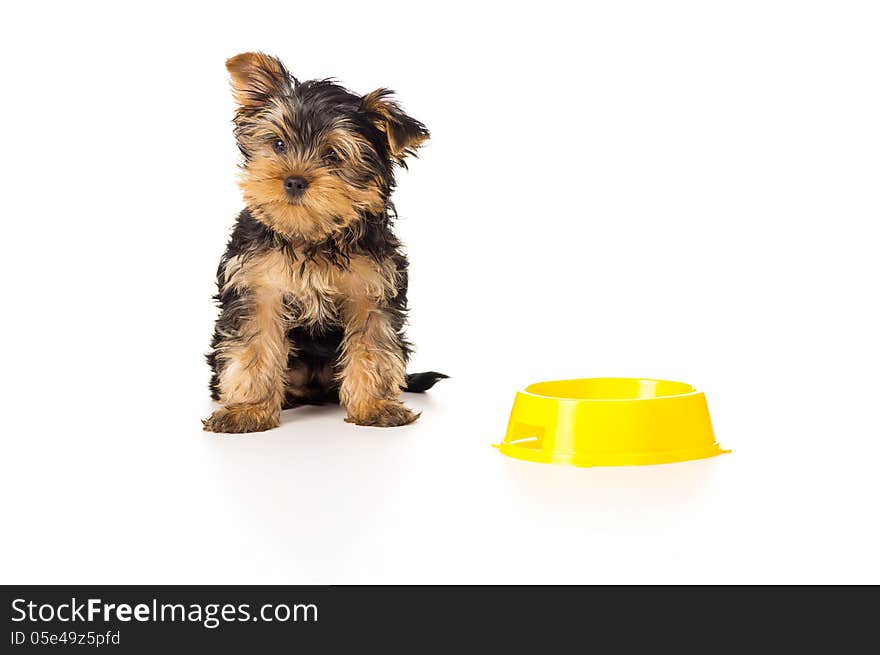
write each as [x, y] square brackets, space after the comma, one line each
[312, 286]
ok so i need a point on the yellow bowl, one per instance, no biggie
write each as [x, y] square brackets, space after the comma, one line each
[610, 422]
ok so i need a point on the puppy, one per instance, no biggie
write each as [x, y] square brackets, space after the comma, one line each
[312, 286]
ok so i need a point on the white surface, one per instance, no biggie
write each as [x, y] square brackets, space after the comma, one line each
[683, 191]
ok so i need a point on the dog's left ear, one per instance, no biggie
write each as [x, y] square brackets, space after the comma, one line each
[403, 133]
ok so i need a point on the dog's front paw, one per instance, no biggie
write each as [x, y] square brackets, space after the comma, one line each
[383, 414]
[242, 418]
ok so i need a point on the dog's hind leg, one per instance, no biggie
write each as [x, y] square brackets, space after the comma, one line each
[310, 383]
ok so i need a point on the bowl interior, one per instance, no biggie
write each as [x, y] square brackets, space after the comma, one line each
[610, 389]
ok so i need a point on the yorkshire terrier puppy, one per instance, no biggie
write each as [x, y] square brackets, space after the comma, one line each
[312, 286]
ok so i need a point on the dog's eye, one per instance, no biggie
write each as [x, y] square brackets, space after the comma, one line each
[279, 146]
[332, 158]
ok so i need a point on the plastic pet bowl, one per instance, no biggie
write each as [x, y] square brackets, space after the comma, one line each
[610, 422]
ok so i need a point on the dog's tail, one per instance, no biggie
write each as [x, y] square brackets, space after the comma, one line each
[421, 382]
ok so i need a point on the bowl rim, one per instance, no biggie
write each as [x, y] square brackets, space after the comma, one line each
[694, 391]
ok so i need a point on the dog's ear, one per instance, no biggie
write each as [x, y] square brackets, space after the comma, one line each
[403, 133]
[256, 77]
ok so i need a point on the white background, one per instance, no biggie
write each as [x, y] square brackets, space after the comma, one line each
[684, 190]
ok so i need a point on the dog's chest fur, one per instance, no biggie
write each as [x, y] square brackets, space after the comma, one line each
[314, 291]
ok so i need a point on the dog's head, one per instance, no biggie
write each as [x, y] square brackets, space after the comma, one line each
[316, 157]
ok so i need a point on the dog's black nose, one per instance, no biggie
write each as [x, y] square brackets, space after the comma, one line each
[295, 186]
